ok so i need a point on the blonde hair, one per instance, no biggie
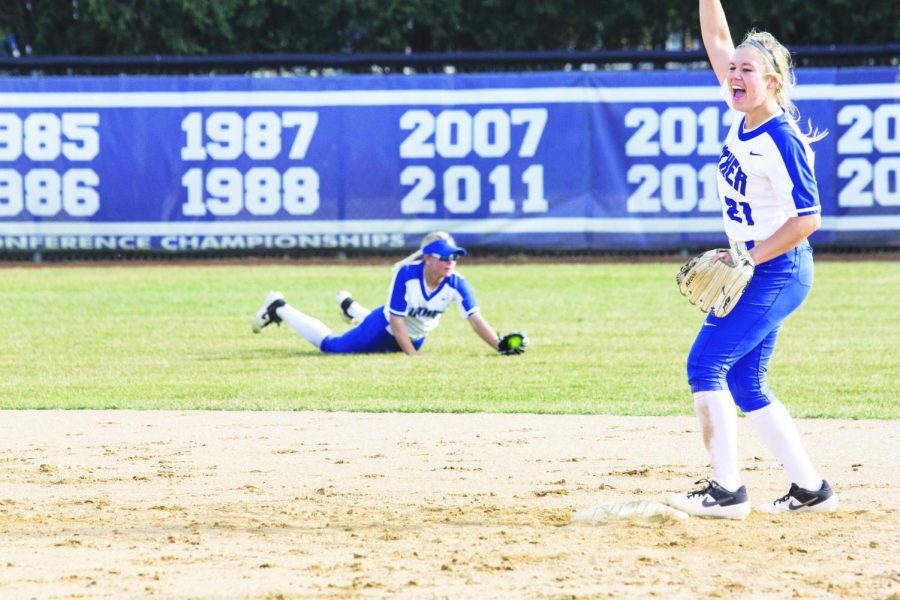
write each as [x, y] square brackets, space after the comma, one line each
[778, 60]
[417, 255]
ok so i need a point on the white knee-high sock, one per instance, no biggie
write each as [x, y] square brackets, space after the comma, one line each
[313, 330]
[778, 432]
[358, 311]
[718, 419]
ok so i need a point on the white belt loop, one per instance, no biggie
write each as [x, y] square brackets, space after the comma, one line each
[741, 247]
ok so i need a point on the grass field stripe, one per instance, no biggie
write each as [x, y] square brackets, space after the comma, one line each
[148, 335]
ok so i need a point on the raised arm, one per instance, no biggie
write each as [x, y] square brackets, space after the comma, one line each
[716, 37]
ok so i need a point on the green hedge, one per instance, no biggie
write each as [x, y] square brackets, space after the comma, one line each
[130, 27]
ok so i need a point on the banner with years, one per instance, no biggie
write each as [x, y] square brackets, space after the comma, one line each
[563, 160]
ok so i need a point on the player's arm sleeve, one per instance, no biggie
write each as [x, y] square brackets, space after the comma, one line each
[800, 184]
[465, 298]
[397, 304]
[484, 330]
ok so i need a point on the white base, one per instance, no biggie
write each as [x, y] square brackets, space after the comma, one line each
[651, 511]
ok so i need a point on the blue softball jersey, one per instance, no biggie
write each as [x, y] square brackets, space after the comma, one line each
[765, 176]
[421, 308]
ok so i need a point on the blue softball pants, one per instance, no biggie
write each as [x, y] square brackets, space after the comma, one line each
[733, 352]
[368, 337]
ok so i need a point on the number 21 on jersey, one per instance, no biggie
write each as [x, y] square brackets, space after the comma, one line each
[739, 211]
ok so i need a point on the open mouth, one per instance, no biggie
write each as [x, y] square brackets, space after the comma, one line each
[738, 92]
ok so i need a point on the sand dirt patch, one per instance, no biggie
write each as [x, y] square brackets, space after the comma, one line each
[123, 504]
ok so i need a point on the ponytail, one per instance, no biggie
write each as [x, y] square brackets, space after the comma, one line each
[778, 59]
[417, 255]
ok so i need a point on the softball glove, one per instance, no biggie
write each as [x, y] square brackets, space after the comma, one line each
[718, 286]
[512, 343]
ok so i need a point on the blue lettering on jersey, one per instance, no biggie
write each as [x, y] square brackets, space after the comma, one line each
[732, 172]
[424, 312]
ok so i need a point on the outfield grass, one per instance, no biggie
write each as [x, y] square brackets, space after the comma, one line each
[606, 338]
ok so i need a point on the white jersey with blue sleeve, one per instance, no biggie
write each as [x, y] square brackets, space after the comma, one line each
[765, 177]
[422, 309]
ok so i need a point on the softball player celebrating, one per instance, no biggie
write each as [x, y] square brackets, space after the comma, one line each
[424, 286]
[770, 205]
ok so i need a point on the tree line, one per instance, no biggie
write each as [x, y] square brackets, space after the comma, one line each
[204, 27]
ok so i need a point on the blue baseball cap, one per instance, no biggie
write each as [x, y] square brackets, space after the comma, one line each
[443, 248]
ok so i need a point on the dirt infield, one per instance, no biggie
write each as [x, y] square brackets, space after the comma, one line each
[124, 504]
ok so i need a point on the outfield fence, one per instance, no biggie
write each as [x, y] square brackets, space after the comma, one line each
[557, 161]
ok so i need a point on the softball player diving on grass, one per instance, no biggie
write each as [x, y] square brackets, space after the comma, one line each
[770, 205]
[424, 286]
